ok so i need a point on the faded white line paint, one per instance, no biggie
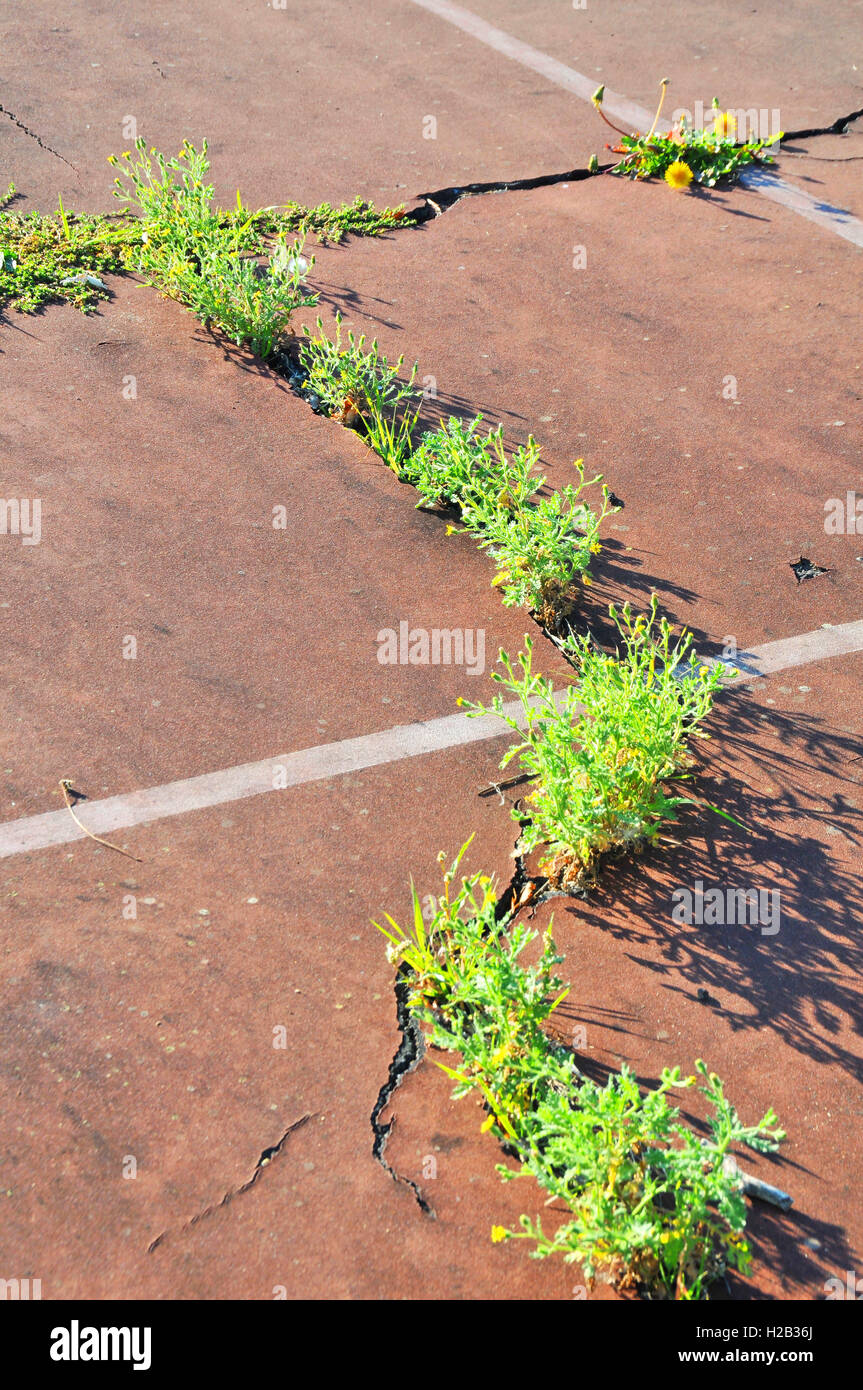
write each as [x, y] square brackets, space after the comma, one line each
[636, 117]
[250, 779]
[813, 209]
[352, 755]
[628, 112]
[819, 645]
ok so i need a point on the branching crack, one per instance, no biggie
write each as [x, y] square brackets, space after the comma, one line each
[266, 1158]
[33, 136]
[407, 1058]
[411, 1049]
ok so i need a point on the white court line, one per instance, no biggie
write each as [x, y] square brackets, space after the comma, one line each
[352, 755]
[636, 117]
[824, 642]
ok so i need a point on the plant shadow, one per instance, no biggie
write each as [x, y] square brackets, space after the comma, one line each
[797, 981]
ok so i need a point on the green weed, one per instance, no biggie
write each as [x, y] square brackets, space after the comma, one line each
[362, 389]
[59, 258]
[330, 224]
[542, 545]
[194, 252]
[206, 257]
[686, 154]
[604, 750]
[458, 466]
[651, 1204]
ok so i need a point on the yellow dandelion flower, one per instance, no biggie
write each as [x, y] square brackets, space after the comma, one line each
[678, 174]
[498, 1233]
[724, 125]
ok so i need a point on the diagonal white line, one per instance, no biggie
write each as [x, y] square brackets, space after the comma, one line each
[796, 200]
[628, 112]
[352, 755]
[824, 642]
[636, 117]
[251, 779]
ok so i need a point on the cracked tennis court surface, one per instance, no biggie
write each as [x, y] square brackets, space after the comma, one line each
[188, 1011]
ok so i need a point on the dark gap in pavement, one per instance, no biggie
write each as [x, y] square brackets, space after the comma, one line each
[407, 1057]
[839, 127]
[39, 141]
[442, 199]
[265, 1158]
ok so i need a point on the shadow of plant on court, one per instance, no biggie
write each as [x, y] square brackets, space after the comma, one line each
[800, 982]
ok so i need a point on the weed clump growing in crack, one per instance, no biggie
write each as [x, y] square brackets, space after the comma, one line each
[207, 257]
[542, 545]
[58, 258]
[330, 224]
[652, 1206]
[686, 153]
[194, 252]
[362, 389]
[604, 751]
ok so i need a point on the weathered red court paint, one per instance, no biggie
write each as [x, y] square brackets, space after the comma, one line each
[152, 1037]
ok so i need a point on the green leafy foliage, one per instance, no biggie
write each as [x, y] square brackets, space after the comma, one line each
[207, 257]
[603, 750]
[59, 258]
[651, 1204]
[361, 388]
[686, 154]
[710, 158]
[195, 253]
[330, 224]
[541, 544]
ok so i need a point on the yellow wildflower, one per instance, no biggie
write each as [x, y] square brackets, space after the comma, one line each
[678, 174]
[724, 125]
[498, 1233]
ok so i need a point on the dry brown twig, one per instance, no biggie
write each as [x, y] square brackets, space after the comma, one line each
[66, 787]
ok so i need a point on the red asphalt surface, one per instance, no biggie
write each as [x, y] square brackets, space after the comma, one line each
[152, 1038]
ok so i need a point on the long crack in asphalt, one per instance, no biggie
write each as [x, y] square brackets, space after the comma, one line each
[442, 199]
[411, 1048]
[839, 127]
